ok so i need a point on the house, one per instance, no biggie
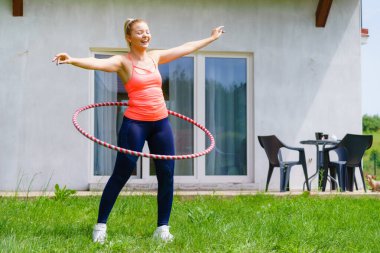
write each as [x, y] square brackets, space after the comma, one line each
[289, 68]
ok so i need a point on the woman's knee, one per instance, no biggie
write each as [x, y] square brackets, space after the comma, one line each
[165, 171]
[124, 166]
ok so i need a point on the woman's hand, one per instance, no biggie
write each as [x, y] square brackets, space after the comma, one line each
[217, 32]
[62, 58]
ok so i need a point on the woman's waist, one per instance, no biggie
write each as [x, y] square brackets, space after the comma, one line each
[149, 93]
[146, 102]
[147, 112]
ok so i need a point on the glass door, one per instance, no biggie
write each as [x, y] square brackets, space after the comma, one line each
[226, 115]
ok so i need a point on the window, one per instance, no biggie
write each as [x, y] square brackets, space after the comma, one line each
[226, 115]
[210, 88]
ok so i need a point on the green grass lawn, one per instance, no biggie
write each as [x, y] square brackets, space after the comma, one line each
[257, 223]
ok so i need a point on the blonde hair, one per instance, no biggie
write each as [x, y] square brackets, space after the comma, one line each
[129, 24]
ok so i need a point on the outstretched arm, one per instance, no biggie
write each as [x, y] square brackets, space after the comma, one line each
[171, 54]
[112, 64]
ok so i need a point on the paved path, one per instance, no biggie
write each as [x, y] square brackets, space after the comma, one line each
[194, 193]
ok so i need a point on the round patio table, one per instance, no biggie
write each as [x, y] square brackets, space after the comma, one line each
[320, 146]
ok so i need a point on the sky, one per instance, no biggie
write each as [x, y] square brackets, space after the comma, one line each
[371, 58]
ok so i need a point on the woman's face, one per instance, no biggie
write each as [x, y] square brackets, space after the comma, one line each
[140, 35]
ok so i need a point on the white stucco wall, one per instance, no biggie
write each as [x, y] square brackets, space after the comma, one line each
[306, 79]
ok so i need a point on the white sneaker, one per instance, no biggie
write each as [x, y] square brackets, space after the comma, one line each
[162, 233]
[99, 233]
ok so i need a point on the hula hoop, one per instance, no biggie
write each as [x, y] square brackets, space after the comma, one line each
[136, 153]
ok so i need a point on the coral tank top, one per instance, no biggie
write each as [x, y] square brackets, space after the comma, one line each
[146, 100]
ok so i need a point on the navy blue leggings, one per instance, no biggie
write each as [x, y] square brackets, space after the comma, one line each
[132, 135]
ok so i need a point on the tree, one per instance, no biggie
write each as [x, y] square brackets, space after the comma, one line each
[371, 123]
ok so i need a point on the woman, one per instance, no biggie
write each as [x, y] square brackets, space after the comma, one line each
[145, 119]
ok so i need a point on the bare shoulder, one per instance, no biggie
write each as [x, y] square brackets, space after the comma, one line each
[122, 58]
[113, 58]
[155, 54]
[125, 60]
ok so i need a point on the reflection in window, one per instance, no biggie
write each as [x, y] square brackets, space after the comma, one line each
[178, 88]
[226, 115]
[108, 119]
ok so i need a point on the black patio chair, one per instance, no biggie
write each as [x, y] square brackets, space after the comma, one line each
[350, 151]
[272, 146]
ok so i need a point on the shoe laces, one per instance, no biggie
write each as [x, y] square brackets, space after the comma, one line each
[163, 233]
[99, 233]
